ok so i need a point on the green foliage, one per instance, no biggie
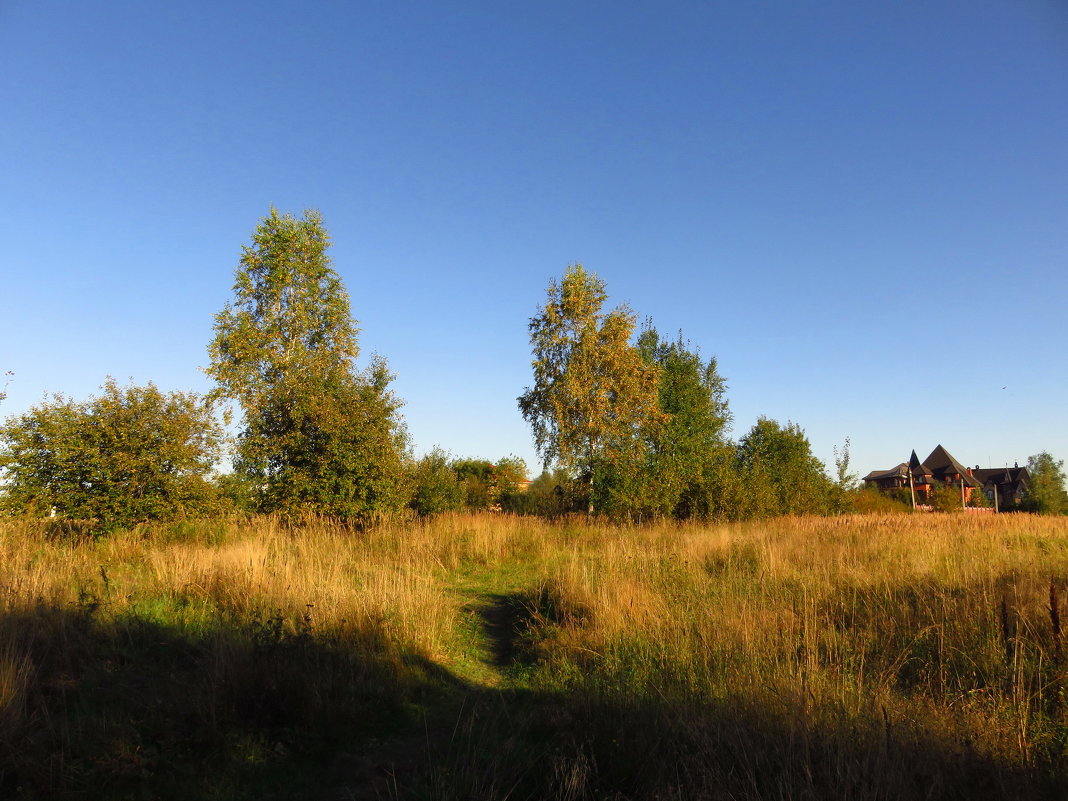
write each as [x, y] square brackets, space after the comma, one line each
[485, 485]
[978, 499]
[844, 479]
[511, 472]
[681, 463]
[945, 498]
[238, 491]
[130, 454]
[779, 472]
[318, 435]
[1046, 491]
[551, 494]
[477, 480]
[868, 500]
[592, 390]
[436, 488]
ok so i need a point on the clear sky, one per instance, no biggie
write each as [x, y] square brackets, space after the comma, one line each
[860, 208]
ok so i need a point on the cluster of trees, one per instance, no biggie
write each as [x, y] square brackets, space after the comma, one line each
[638, 426]
[634, 425]
[441, 484]
[316, 434]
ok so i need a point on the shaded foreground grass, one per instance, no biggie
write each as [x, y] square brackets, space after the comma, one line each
[489, 657]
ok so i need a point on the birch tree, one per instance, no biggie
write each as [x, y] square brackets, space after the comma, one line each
[318, 435]
[593, 395]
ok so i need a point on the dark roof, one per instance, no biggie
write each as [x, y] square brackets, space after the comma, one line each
[918, 469]
[893, 472]
[941, 463]
[1002, 475]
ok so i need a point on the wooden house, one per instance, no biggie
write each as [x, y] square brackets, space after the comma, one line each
[939, 469]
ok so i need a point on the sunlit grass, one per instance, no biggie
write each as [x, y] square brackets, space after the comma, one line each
[939, 633]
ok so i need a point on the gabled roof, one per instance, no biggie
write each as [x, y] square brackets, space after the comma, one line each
[1002, 475]
[942, 462]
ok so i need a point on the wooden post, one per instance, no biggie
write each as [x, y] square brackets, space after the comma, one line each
[996, 510]
[912, 490]
[962, 503]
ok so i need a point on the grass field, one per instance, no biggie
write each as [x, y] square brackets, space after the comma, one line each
[491, 657]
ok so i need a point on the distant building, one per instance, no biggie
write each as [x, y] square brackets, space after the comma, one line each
[940, 469]
[1010, 483]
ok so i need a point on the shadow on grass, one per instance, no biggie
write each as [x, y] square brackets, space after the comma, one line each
[274, 708]
[511, 622]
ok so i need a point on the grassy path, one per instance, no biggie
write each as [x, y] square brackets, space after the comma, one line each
[492, 606]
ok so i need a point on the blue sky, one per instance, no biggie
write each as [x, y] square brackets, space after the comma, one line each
[860, 208]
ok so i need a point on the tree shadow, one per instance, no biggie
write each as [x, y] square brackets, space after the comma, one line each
[512, 622]
[270, 708]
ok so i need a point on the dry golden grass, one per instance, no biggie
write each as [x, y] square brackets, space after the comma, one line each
[932, 628]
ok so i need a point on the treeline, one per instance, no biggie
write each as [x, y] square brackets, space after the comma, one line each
[638, 426]
[628, 423]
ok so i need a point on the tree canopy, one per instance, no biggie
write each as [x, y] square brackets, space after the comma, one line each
[1046, 491]
[592, 393]
[318, 436]
[780, 475]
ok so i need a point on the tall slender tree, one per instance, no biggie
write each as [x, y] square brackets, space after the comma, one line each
[593, 394]
[318, 435]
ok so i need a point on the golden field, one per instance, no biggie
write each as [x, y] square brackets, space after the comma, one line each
[490, 656]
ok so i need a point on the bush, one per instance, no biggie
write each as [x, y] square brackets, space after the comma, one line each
[129, 455]
[549, 495]
[868, 500]
[435, 486]
[945, 499]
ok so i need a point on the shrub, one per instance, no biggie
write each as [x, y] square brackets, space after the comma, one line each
[128, 455]
[435, 486]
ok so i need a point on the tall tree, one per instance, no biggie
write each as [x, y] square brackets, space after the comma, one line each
[318, 435]
[1046, 490]
[593, 394]
[688, 455]
[126, 455]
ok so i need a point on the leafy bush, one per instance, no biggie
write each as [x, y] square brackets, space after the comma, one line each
[868, 500]
[435, 485]
[945, 499]
[128, 455]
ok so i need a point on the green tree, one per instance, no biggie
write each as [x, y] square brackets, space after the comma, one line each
[436, 487]
[477, 478]
[689, 454]
[1046, 490]
[593, 394]
[485, 484]
[127, 455]
[318, 436]
[844, 479]
[548, 495]
[780, 474]
[510, 474]
[945, 498]
[844, 493]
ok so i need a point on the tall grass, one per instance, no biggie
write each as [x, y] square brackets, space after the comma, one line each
[870, 656]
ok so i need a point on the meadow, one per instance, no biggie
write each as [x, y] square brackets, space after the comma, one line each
[490, 656]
